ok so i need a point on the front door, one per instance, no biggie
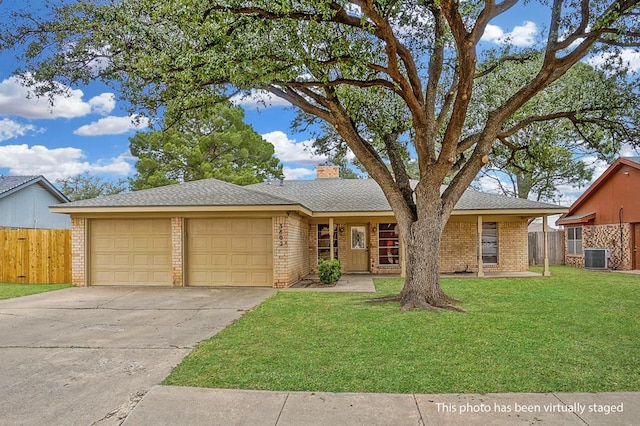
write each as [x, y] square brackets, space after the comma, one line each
[636, 246]
[358, 253]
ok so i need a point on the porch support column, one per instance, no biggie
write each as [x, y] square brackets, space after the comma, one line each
[480, 271]
[545, 233]
[331, 248]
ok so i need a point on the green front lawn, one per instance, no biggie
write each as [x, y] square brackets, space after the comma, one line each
[8, 291]
[577, 331]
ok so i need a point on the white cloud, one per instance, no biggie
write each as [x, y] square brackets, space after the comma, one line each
[294, 173]
[16, 100]
[103, 104]
[492, 33]
[629, 151]
[12, 129]
[58, 163]
[112, 126]
[521, 35]
[288, 150]
[629, 59]
[258, 99]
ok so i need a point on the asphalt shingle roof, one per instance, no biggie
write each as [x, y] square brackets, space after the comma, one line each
[7, 183]
[322, 195]
[329, 195]
[11, 184]
[206, 192]
[352, 195]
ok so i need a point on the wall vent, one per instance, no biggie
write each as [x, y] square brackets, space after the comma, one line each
[596, 258]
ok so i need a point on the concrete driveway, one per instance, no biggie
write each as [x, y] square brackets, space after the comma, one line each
[86, 356]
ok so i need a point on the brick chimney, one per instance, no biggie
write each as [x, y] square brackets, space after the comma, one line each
[327, 172]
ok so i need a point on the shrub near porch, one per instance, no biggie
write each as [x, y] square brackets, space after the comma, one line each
[576, 331]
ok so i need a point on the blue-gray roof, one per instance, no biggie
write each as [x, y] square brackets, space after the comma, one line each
[321, 195]
[11, 184]
[353, 195]
[206, 192]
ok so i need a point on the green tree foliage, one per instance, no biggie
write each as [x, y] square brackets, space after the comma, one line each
[209, 143]
[545, 157]
[85, 186]
[596, 120]
[369, 69]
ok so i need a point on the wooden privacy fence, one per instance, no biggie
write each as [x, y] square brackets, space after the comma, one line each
[40, 256]
[556, 248]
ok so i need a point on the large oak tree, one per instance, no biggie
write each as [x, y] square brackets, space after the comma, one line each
[332, 59]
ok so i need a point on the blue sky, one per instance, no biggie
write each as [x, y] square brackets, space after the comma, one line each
[89, 131]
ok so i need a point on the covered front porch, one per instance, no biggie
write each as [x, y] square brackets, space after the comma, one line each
[476, 244]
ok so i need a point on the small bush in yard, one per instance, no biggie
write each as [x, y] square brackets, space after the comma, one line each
[329, 271]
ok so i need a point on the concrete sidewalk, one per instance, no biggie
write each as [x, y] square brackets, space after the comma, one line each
[172, 405]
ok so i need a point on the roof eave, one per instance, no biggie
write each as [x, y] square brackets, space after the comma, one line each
[576, 221]
[477, 212]
[48, 186]
[512, 212]
[178, 209]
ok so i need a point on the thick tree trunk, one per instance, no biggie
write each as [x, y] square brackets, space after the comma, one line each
[422, 256]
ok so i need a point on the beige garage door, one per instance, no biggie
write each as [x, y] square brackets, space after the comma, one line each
[130, 252]
[235, 252]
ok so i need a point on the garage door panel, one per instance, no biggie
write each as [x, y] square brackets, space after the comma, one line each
[199, 242]
[240, 260]
[262, 244]
[130, 252]
[121, 227]
[238, 252]
[260, 260]
[261, 227]
[159, 260]
[123, 242]
[119, 276]
[240, 244]
[219, 278]
[141, 259]
[240, 226]
[160, 243]
[260, 277]
[120, 260]
[239, 277]
[160, 277]
[218, 260]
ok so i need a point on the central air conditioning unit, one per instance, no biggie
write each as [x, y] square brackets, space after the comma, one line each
[596, 258]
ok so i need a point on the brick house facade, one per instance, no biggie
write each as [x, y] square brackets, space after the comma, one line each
[215, 233]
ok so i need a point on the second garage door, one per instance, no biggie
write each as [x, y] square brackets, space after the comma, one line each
[130, 252]
[229, 252]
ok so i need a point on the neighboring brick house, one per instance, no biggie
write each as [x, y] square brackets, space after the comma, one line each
[25, 201]
[607, 216]
[210, 232]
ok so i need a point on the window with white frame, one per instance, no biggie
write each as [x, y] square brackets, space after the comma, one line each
[574, 240]
[490, 242]
[324, 242]
[388, 244]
